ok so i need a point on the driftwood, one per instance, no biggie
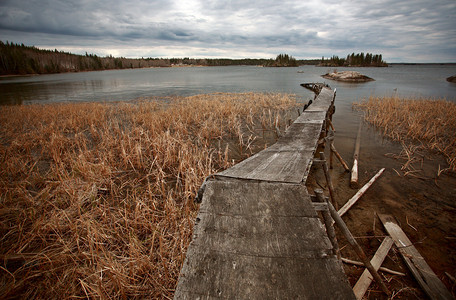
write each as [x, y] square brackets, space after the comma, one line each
[358, 195]
[365, 280]
[354, 172]
[426, 278]
[351, 240]
[382, 269]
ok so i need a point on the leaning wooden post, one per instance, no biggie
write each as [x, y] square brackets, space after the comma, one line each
[328, 223]
[359, 251]
[354, 171]
[328, 178]
[334, 151]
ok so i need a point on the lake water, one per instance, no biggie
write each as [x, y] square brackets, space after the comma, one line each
[117, 85]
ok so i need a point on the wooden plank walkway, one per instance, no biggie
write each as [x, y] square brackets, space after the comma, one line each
[257, 235]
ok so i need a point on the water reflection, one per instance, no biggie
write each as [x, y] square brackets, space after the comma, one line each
[116, 85]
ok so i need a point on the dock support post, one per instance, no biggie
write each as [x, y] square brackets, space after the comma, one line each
[328, 179]
[328, 224]
[333, 151]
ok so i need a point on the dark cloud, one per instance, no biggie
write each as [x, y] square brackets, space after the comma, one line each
[403, 30]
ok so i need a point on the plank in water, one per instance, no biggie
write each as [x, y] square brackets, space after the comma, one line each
[366, 278]
[427, 279]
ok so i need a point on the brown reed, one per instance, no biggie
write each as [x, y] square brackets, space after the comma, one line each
[97, 199]
[430, 122]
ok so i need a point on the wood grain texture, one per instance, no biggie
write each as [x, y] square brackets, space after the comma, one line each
[366, 278]
[256, 240]
[290, 158]
[427, 279]
[257, 235]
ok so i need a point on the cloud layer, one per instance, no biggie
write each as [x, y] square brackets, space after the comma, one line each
[413, 31]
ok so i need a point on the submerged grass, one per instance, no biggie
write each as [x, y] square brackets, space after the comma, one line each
[432, 123]
[97, 199]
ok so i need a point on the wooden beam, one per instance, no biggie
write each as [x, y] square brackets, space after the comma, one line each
[358, 195]
[366, 278]
[426, 278]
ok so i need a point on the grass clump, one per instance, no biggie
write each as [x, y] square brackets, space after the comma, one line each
[96, 200]
[430, 122]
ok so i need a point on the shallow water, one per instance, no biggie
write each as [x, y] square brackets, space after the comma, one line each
[116, 85]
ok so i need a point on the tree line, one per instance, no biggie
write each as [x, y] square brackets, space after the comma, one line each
[19, 59]
[355, 60]
[282, 60]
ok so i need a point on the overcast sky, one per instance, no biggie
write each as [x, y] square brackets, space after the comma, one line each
[403, 31]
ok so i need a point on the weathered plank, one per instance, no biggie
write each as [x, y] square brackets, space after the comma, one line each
[289, 159]
[366, 278]
[358, 194]
[214, 274]
[427, 279]
[259, 239]
[309, 117]
[322, 102]
[273, 165]
[265, 235]
[256, 199]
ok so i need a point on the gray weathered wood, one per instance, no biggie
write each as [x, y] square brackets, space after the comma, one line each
[358, 195]
[427, 279]
[328, 223]
[215, 274]
[256, 240]
[273, 165]
[257, 234]
[288, 160]
[366, 278]
[359, 251]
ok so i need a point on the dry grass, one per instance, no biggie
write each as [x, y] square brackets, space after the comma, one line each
[97, 199]
[431, 123]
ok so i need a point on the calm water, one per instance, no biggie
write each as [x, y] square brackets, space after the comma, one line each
[116, 85]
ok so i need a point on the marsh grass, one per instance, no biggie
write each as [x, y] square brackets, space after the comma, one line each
[419, 124]
[97, 199]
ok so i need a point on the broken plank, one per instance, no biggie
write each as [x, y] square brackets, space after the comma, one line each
[358, 195]
[214, 274]
[366, 278]
[427, 279]
[273, 165]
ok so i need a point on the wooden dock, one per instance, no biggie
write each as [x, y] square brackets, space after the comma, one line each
[257, 234]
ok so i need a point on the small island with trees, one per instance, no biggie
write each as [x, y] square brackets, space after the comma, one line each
[354, 60]
[283, 60]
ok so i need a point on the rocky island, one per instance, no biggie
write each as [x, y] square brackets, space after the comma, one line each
[347, 76]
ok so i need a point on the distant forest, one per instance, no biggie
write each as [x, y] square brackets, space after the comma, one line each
[354, 60]
[18, 59]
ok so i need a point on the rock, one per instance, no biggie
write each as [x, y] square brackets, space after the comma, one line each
[452, 79]
[348, 76]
